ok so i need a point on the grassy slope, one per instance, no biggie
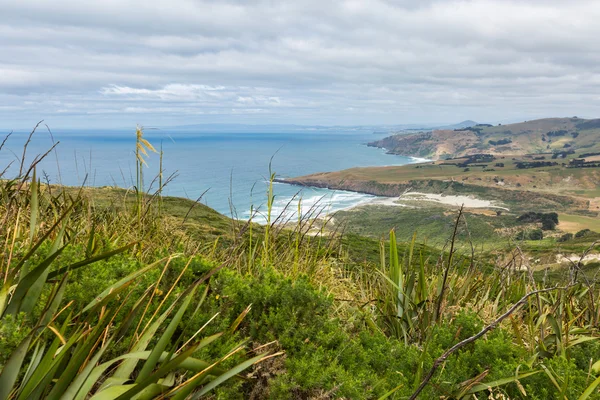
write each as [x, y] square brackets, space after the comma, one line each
[334, 349]
[527, 137]
[553, 188]
[197, 219]
[571, 192]
[337, 321]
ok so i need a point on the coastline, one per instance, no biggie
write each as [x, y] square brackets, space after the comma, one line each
[469, 202]
[450, 200]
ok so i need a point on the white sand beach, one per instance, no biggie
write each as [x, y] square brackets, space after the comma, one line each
[449, 200]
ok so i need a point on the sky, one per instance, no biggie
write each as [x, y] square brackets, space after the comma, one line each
[117, 63]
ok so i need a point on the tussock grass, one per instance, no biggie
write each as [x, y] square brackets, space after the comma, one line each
[64, 351]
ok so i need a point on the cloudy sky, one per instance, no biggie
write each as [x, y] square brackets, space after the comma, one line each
[115, 63]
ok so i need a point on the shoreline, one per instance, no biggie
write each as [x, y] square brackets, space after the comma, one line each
[442, 199]
[469, 201]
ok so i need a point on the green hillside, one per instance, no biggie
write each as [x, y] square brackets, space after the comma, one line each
[112, 294]
[548, 135]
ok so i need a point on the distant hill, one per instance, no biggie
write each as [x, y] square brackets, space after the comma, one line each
[549, 135]
[460, 125]
[290, 128]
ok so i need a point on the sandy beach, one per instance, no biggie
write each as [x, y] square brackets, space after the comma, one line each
[449, 200]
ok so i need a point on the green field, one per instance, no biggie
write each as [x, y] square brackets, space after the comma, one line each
[575, 223]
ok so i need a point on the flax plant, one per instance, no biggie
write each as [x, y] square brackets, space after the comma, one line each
[65, 351]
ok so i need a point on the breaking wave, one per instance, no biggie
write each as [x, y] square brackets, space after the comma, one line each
[311, 202]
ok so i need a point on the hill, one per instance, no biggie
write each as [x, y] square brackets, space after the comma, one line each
[116, 294]
[496, 190]
[529, 137]
[461, 125]
[515, 180]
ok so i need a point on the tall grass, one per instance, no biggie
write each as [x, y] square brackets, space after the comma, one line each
[67, 351]
[136, 338]
[416, 295]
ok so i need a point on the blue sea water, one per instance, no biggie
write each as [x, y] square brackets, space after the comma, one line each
[231, 169]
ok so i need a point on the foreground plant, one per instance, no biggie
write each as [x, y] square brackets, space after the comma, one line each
[418, 296]
[63, 351]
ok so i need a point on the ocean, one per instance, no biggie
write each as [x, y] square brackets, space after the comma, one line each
[231, 170]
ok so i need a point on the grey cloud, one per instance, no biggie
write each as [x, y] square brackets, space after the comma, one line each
[307, 61]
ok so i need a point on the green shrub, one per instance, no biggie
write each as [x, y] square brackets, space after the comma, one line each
[548, 225]
[564, 238]
[583, 233]
[535, 234]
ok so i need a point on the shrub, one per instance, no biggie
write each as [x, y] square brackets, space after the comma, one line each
[548, 220]
[535, 234]
[321, 355]
[500, 142]
[583, 233]
[564, 238]
[548, 225]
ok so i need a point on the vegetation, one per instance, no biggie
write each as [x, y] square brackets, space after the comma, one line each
[64, 338]
[553, 188]
[535, 234]
[530, 137]
[548, 220]
[112, 294]
[583, 233]
[500, 142]
[565, 238]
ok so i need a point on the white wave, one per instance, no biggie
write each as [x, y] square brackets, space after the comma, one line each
[416, 160]
[320, 203]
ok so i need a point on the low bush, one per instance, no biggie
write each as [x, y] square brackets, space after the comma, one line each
[565, 238]
[535, 234]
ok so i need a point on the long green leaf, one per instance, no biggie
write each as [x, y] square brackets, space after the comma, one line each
[36, 358]
[35, 290]
[77, 360]
[54, 301]
[40, 241]
[163, 370]
[11, 369]
[500, 382]
[582, 339]
[34, 206]
[128, 366]
[45, 367]
[390, 392]
[590, 389]
[189, 364]
[227, 375]
[165, 338]
[113, 392]
[28, 280]
[80, 380]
